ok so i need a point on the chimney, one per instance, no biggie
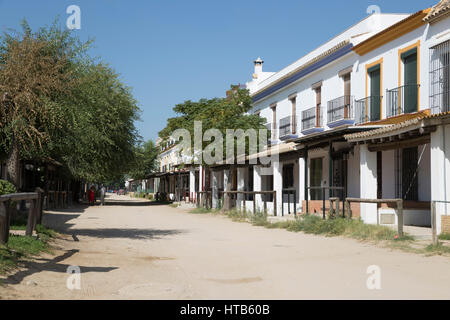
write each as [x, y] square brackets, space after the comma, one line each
[258, 67]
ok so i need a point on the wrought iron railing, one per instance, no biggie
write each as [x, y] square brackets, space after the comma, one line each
[340, 109]
[402, 100]
[287, 126]
[368, 109]
[440, 78]
[284, 127]
[312, 118]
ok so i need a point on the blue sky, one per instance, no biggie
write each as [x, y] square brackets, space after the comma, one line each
[175, 50]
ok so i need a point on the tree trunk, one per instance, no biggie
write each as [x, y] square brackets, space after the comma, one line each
[13, 165]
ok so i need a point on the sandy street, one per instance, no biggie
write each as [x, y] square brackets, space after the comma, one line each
[132, 250]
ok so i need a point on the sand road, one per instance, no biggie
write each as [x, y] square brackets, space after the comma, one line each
[130, 249]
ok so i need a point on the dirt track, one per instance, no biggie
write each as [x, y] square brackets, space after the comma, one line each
[130, 250]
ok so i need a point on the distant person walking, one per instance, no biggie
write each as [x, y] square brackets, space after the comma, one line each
[91, 195]
[102, 195]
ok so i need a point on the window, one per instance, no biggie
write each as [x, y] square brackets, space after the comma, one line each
[409, 60]
[406, 176]
[375, 89]
[315, 178]
[347, 95]
[409, 174]
[318, 104]
[288, 176]
[440, 78]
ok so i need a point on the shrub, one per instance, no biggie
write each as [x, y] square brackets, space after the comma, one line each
[6, 187]
[259, 219]
[444, 236]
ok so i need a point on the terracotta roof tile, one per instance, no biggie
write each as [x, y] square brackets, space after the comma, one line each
[391, 128]
[438, 11]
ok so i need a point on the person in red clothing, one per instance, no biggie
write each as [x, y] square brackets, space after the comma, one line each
[91, 195]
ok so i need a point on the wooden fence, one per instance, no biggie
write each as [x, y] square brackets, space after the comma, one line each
[204, 199]
[398, 202]
[6, 209]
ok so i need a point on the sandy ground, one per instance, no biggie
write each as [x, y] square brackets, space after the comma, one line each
[132, 250]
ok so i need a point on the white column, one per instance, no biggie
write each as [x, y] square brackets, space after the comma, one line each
[257, 185]
[215, 189]
[226, 178]
[368, 178]
[440, 171]
[241, 173]
[191, 183]
[301, 182]
[278, 184]
[201, 177]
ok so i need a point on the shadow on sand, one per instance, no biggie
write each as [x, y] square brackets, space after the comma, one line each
[53, 265]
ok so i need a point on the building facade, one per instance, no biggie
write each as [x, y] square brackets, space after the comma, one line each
[362, 116]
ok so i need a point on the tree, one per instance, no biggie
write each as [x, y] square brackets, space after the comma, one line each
[218, 113]
[145, 160]
[99, 143]
[58, 102]
[35, 70]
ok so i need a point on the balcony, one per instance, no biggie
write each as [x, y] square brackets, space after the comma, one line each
[287, 129]
[312, 120]
[340, 111]
[402, 100]
[368, 109]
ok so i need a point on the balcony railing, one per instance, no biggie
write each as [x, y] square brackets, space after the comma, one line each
[284, 127]
[340, 109]
[368, 109]
[287, 126]
[439, 78]
[312, 118]
[402, 100]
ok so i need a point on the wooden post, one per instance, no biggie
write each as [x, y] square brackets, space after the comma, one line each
[433, 223]
[5, 213]
[295, 203]
[254, 204]
[400, 217]
[338, 210]
[31, 214]
[265, 203]
[275, 203]
[323, 200]
[244, 204]
[348, 209]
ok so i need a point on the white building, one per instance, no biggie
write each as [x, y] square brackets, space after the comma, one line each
[365, 114]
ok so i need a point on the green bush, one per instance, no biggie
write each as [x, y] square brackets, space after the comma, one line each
[343, 227]
[444, 236]
[6, 187]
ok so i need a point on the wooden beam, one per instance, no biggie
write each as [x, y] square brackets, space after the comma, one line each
[399, 144]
